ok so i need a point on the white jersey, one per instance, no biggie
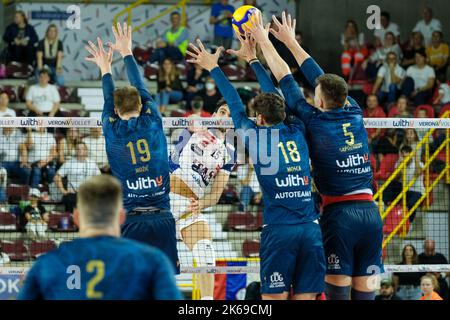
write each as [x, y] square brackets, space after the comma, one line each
[198, 159]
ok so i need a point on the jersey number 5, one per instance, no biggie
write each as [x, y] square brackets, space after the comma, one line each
[142, 148]
[291, 146]
[98, 267]
[348, 134]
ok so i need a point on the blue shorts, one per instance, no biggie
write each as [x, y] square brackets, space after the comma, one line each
[352, 238]
[156, 229]
[292, 255]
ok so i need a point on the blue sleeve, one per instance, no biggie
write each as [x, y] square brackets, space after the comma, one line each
[231, 96]
[31, 289]
[214, 10]
[136, 80]
[311, 70]
[164, 286]
[352, 104]
[108, 96]
[263, 77]
[295, 101]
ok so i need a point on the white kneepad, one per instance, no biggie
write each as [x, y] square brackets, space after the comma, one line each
[204, 253]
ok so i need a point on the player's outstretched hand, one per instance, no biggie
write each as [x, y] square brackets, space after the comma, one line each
[257, 29]
[194, 206]
[123, 36]
[99, 56]
[202, 57]
[247, 51]
[286, 29]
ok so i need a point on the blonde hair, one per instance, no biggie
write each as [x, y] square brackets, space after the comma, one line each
[433, 280]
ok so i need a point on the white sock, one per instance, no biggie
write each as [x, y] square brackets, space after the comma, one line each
[207, 298]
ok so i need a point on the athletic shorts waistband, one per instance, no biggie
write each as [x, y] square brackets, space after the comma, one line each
[149, 215]
[329, 200]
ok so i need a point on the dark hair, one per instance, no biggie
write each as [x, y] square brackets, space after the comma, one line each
[175, 13]
[406, 149]
[334, 89]
[440, 33]
[415, 257]
[127, 100]
[24, 16]
[44, 71]
[392, 53]
[271, 107]
[386, 14]
[220, 103]
[354, 24]
[422, 52]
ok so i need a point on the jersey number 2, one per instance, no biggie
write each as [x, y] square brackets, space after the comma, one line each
[291, 146]
[142, 149]
[98, 267]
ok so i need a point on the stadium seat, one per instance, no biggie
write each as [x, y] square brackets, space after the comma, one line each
[392, 111]
[21, 93]
[17, 192]
[63, 94]
[151, 71]
[56, 224]
[250, 248]
[15, 250]
[393, 219]
[18, 70]
[9, 90]
[37, 248]
[8, 221]
[444, 109]
[428, 108]
[387, 166]
[234, 73]
[373, 162]
[142, 55]
[241, 221]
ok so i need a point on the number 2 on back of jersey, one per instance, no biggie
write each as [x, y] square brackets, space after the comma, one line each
[291, 147]
[142, 149]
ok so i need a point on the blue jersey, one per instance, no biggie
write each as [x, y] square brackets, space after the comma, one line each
[137, 148]
[281, 161]
[337, 139]
[102, 267]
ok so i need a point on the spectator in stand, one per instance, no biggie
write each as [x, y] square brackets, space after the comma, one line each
[4, 110]
[410, 138]
[378, 58]
[36, 217]
[438, 55]
[413, 169]
[221, 16]
[444, 94]
[95, 144]
[67, 145]
[43, 99]
[211, 96]
[373, 110]
[430, 287]
[386, 26]
[197, 109]
[49, 55]
[41, 156]
[177, 36]
[195, 79]
[12, 154]
[21, 39]
[389, 79]
[388, 144]
[387, 291]
[3, 184]
[354, 50]
[170, 88]
[164, 51]
[414, 45]
[419, 80]
[430, 256]
[77, 170]
[4, 258]
[421, 132]
[428, 25]
[407, 284]
[401, 109]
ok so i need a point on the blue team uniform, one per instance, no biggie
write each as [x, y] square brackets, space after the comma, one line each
[291, 242]
[137, 154]
[337, 139]
[103, 267]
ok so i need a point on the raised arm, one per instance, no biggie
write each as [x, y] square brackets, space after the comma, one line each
[247, 52]
[103, 60]
[208, 61]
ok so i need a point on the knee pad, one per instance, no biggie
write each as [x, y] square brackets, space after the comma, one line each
[337, 293]
[204, 253]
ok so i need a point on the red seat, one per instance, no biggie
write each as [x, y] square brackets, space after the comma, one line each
[8, 222]
[17, 192]
[250, 248]
[393, 219]
[63, 94]
[444, 109]
[142, 55]
[151, 71]
[18, 70]
[393, 111]
[387, 166]
[37, 248]
[428, 108]
[373, 162]
[234, 72]
[15, 250]
[241, 221]
[55, 222]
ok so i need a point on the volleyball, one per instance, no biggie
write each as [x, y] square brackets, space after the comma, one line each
[241, 16]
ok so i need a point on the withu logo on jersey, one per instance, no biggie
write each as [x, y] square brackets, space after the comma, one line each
[276, 280]
[145, 183]
[353, 161]
[292, 181]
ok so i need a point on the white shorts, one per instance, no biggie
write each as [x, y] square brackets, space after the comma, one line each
[183, 219]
